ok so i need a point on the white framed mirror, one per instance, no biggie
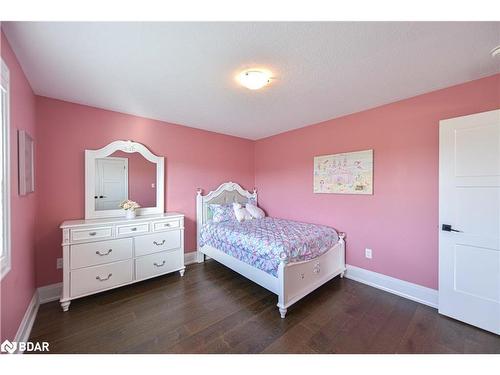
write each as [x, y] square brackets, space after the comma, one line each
[119, 171]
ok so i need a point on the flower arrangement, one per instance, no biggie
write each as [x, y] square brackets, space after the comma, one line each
[129, 205]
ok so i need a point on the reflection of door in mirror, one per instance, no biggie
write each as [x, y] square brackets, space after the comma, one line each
[111, 182]
[122, 176]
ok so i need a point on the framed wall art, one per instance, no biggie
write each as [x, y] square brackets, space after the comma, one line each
[347, 173]
[26, 163]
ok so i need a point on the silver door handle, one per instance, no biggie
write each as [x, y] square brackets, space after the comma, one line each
[107, 278]
[102, 254]
[159, 244]
[159, 265]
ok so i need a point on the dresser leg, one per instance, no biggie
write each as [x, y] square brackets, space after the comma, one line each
[282, 312]
[181, 272]
[65, 305]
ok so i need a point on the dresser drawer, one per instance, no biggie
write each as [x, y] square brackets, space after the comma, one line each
[166, 224]
[157, 264]
[154, 243]
[91, 234]
[93, 279]
[94, 253]
[123, 230]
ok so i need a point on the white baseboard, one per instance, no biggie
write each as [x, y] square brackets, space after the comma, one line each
[24, 330]
[49, 293]
[190, 258]
[415, 292]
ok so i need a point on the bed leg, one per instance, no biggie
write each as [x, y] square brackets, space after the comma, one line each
[282, 312]
[65, 305]
[342, 253]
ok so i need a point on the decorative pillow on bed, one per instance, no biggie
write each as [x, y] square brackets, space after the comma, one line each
[255, 211]
[241, 213]
[222, 212]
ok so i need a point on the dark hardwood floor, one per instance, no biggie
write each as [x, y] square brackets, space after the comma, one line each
[214, 310]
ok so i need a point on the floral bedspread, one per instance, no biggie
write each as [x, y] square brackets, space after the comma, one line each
[263, 242]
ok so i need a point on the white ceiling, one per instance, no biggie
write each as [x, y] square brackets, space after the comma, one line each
[184, 72]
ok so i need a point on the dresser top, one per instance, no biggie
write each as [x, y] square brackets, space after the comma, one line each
[119, 220]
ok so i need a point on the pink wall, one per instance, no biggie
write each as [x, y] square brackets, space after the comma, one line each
[18, 286]
[141, 175]
[400, 221]
[194, 158]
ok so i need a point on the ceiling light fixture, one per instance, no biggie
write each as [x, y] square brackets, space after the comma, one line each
[254, 79]
[495, 51]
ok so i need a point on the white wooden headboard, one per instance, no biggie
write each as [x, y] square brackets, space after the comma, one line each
[228, 192]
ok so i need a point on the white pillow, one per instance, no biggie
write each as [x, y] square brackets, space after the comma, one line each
[255, 211]
[241, 213]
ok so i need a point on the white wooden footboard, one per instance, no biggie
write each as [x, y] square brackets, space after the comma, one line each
[297, 280]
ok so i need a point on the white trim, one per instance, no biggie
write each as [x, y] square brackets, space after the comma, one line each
[5, 259]
[191, 257]
[49, 293]
[414, 292]
[24, 330]
[128, 147]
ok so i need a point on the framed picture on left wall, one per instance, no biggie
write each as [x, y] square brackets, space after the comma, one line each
[26, 163]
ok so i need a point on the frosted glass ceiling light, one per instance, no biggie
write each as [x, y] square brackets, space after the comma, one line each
[254, 79]
[495, 52]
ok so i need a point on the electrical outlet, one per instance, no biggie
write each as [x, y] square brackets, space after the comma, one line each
[368, 253]
[59, 263]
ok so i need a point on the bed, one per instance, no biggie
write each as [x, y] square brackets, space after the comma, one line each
[289, 258]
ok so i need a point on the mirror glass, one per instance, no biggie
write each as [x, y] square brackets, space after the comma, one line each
[122, 176]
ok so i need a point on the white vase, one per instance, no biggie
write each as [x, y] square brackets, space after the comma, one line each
[130, 214]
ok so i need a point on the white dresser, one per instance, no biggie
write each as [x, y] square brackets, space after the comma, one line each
[102, 254]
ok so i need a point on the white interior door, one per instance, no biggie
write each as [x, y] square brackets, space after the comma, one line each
[469, 215]
[111, 183]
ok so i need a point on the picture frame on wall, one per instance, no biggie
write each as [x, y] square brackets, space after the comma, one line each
[346, 173]
[26, 163]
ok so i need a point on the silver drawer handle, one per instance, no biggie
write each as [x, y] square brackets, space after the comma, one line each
[133, 229]
[167, 224]
[102, 254]
[159, 265]
[92, 233]
[107, 278]
[159, 244]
